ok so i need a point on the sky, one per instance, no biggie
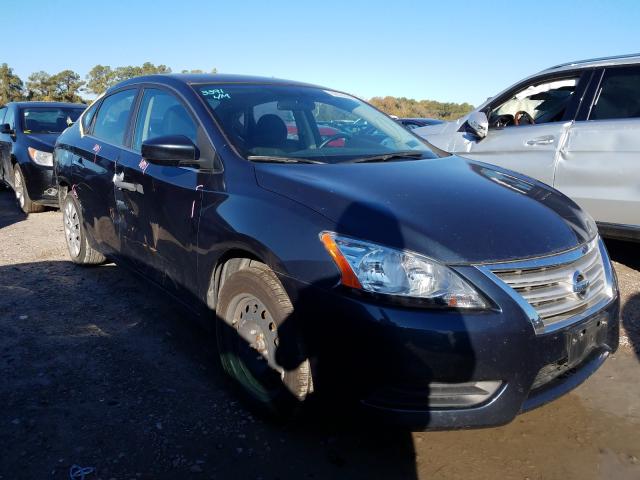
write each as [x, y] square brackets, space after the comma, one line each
[446, 50]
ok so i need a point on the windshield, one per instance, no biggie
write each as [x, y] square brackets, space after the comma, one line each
[48, 119]
[306, 124]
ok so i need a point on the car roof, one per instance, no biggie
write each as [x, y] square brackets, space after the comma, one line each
[596, 62]
[175, 79]
[47, 104]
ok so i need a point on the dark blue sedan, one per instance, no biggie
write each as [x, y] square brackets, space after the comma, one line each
[438, 292]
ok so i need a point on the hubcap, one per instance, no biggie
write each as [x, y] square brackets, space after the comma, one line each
[255, 325]
[72, 229]
[19, 188]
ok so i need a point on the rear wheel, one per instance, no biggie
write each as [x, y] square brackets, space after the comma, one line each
[258, 345]
[79, 249]
[22, 195]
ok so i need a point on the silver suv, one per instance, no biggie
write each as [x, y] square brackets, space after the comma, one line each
[575, 126]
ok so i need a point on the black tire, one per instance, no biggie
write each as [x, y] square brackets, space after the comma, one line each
[277, 386]
[22, 194]
[80, 251]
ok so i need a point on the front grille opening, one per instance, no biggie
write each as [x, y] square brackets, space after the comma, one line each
[560, 291]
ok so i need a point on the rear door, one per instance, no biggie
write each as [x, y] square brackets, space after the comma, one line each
[600, 167]
[160, 205]
[529, 148]
[93, 166]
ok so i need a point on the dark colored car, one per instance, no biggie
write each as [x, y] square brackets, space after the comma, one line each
[28, 131]
[412, 123]
[439, 292]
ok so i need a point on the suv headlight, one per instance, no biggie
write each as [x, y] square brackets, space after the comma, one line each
[41, 158]
[377, 269]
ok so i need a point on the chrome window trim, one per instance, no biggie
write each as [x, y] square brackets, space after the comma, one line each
[567, 257]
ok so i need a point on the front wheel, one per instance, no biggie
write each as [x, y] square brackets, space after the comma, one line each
[79, 249]
[22, 194]
[258, 343]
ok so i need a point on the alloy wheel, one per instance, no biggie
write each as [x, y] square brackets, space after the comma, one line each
[19, 188]
[72, 228]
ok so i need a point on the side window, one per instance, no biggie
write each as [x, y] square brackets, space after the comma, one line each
[161, 114]
[111, 120]
[3, 110]
[618, 95]
[88, 117]
[537, 103]
[10, 118]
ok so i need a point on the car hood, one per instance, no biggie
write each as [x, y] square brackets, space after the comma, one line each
[42, 141]
[451, 209]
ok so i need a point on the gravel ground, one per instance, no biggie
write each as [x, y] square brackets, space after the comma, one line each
[99, 370]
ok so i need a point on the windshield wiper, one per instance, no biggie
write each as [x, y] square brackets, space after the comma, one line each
[276, 159]
[390, 156]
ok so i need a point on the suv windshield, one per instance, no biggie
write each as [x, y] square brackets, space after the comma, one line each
[296, 123]
[48, 119]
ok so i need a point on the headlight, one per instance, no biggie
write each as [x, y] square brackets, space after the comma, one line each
[377, 269]
[41, 158]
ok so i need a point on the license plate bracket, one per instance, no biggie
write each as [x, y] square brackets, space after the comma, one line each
[584, 338]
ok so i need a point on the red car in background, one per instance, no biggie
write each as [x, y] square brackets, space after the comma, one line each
[325, 132]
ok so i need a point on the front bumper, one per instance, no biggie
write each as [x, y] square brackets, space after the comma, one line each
[390, 358]
[40, 183]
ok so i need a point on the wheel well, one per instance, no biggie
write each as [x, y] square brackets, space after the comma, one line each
[229, 263]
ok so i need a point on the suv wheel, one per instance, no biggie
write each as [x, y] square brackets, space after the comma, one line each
[22, 195]
[256, 348]
[79, 249]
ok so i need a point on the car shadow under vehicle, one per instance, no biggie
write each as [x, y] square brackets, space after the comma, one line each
[100, 369]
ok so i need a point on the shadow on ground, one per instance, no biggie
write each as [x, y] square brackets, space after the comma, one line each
[101, 370]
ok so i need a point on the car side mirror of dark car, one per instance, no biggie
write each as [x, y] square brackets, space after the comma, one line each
[6, 128]
[478, 124]
[171, 151]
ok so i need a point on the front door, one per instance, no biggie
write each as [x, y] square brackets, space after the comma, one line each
[161, 204]
[528, 149]
[528, 126]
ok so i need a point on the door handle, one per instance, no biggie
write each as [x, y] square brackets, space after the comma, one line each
[118, 181]
[544, 140]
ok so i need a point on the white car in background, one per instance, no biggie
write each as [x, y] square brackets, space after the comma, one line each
[575, 126]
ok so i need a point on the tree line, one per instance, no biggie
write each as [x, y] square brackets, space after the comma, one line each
[408, 107]
[68, 86]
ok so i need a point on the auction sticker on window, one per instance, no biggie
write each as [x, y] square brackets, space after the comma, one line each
[216, 93]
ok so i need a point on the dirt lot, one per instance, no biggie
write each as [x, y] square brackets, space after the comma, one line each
[99, 370]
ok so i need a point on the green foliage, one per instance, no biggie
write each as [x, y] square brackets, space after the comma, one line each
[64, 86]
[408, 107]
[101, 77]
[11, 87]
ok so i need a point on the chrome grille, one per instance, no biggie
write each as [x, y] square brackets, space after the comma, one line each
[562, 286]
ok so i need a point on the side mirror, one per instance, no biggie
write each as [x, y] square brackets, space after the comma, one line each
[6, 128]
[171, 151]
[478, 124]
